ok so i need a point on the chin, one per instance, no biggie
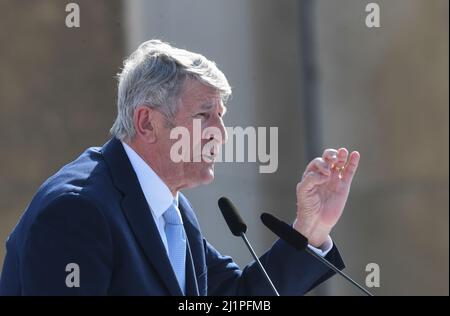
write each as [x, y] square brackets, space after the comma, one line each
[207, 175]
[200, 176]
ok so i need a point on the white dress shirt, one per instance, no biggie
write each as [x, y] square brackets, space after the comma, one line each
[156, 192]
[159, 197]
[324, 249]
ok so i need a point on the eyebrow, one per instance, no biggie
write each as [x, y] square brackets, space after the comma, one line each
[209, 106]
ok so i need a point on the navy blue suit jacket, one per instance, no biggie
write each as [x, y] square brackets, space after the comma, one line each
[93, 213]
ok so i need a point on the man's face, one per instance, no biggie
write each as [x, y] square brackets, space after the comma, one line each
[203, 105]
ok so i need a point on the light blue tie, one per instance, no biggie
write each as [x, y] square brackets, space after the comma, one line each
[176, 241]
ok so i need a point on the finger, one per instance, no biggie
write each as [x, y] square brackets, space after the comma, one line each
[311, 179]
[341, 158]
[317, 165]
[330, 155]
[350, 168]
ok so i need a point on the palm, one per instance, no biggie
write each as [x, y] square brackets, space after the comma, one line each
[323, 192]
[326, 200]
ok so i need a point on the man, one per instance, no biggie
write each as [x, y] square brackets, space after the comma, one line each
[113, 222]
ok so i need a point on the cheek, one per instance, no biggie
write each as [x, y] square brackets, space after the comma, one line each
[196, 137]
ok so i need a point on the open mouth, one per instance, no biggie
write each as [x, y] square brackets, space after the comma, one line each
[209, 158]
[212, 156]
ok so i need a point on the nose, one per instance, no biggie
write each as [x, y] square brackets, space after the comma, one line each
[218, 131]
[223, 131]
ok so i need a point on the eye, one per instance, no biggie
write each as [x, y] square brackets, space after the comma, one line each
[202, 115]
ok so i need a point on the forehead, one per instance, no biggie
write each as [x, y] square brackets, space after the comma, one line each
[196, 94]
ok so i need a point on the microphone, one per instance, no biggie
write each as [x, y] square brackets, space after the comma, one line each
[239, 228]
[300, 242]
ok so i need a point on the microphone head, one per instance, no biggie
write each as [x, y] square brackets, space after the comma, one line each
[232, 217]
[284, 231]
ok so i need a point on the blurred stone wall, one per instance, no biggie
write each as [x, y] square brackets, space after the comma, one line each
[384, 92]
[57, 92]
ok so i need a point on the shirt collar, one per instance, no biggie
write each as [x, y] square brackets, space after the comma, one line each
[156, 192]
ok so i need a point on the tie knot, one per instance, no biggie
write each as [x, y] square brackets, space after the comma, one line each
[173, 216]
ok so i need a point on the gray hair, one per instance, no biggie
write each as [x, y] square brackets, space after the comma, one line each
[154, 75]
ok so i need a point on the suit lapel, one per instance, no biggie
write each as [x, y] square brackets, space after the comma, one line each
[191, 279]
[138, 213]
[196, 252]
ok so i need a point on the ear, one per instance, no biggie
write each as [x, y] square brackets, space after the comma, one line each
[145, 123]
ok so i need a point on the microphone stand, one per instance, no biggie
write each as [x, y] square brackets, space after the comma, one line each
[332, 267]
[266, 276]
